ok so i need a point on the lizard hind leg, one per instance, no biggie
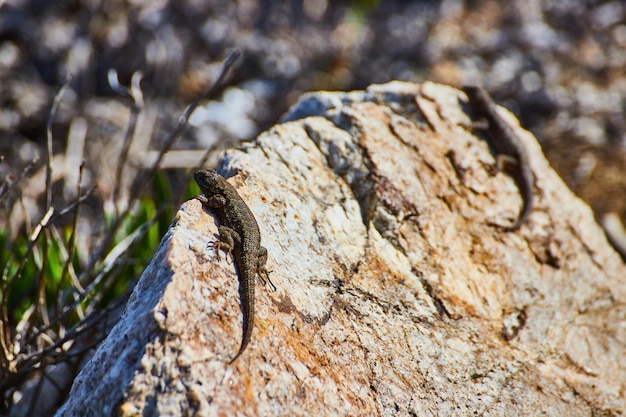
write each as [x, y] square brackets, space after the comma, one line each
[262, 272]
[264, 277]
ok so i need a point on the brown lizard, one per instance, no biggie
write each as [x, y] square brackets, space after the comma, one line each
[239, 236]
[510, 150]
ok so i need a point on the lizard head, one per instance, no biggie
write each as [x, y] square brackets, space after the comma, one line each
[475, 93]
[210, 182]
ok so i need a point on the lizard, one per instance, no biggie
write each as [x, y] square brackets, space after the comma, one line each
[239, 235]
[509, 149]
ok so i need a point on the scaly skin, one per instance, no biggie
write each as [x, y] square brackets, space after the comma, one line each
[509, 148]
[240, 236]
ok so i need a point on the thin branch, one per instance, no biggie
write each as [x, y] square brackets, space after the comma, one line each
[75, 203]
[68, 269]
[72, 240]
[67, 281]
[7, 186]
[5, 342]
[199, 165]
[25, 324]
[204, 157]
[53, 110]
[41, 287]
[136, 95]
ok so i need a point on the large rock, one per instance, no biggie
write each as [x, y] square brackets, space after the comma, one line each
[396, 293]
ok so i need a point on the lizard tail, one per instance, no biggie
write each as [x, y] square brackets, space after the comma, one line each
[525, 181]
[247, 308]
[526, 209]
[528, 205]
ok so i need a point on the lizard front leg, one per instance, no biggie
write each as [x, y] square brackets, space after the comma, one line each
[228, 238]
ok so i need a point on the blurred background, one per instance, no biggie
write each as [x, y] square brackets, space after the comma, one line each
[559, 65]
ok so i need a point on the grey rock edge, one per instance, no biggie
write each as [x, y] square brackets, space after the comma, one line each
[396, 294]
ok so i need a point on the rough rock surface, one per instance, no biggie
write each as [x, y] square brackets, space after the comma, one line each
[396, 293]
